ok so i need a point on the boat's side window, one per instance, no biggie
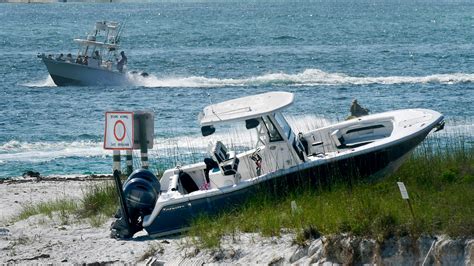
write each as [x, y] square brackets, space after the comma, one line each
[271, 129]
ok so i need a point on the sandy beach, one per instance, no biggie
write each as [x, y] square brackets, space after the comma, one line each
[44, 240]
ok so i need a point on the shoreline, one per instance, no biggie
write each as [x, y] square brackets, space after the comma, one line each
[37, 178]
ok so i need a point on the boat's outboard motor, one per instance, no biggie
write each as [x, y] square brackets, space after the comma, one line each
[141, 191]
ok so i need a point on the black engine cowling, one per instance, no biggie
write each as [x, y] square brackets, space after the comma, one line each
[140, 193]
[141, 190]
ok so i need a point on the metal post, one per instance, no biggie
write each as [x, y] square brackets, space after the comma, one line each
[404, 193]
[116, 158]
[143, 140]
[411, 209]
[129, 158]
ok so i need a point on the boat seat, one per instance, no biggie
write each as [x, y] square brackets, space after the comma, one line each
[228, 162]
[219, 152]
[187, 182]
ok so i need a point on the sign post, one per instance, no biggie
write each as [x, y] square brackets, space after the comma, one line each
[119, 136]
[127, 131]
[144, 127]
[404, 193]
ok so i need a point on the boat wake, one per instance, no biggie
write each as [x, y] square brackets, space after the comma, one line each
[48, 82]
[309, 77]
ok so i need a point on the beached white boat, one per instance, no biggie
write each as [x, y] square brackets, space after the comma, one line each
[96, 63]
[282, 158]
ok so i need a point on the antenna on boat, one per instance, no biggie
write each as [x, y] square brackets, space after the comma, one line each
[211, 104]
[209, 96]
[119, 33]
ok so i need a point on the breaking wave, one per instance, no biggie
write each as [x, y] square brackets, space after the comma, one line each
[309, 77]
[47, 151]
[235, 137]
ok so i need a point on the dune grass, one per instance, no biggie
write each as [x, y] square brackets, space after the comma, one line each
[98, 203]
[63, 206]
[439, 178]
[99, 200]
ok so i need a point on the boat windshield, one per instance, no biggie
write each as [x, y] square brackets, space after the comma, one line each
[283, 124]
[271, 129]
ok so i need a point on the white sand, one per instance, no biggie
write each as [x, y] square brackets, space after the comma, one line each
[48, 240]
[14, 195]
[42, 239]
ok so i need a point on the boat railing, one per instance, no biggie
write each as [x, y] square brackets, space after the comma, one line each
[79, 60]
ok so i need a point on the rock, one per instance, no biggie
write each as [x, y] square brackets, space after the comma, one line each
[152, 261]
[30, 173]
[469, 252]
[4, 232]
[277, 261]
[315, 246]
[450, 252]
[338, 249]
[299, 253]
[315, 251]
[365, 252]
[41, 256]
[426, 250]
[225, 254]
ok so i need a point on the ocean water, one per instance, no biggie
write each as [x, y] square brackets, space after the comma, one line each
[387, 54]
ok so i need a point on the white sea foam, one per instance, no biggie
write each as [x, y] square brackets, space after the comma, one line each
[234, 137]
[48, 82]
[47, 151]
[309, 77]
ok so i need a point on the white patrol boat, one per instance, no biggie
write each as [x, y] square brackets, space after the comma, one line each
[281, 159]
[96, 63]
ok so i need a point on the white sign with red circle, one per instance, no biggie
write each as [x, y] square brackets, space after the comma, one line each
[118, 131]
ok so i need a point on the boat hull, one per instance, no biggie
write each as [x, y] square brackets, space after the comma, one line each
[177, 217]
[70, 74]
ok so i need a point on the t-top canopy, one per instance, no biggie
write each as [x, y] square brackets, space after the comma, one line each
[95, 43]
[246, 107]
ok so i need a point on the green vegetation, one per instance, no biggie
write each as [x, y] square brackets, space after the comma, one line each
[99, 200]
[63, 206]
[98, 203]
[439, 178]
